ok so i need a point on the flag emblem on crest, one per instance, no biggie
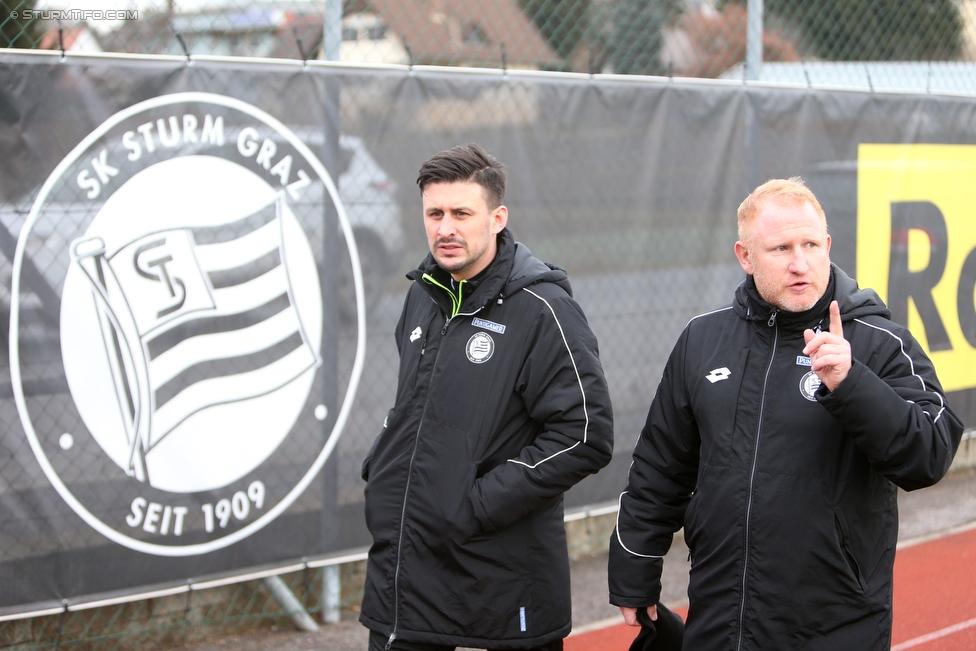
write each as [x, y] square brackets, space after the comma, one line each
[195, 317]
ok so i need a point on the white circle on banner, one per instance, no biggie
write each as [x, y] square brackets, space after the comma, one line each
[191, 323]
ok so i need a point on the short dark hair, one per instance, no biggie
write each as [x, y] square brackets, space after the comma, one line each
[466, 163]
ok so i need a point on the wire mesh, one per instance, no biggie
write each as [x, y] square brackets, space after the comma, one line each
[695, 38]
[176, 620]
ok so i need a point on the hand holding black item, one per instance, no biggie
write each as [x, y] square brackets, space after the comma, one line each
[664, 634]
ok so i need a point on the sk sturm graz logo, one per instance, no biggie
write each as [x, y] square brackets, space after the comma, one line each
[480, 347]
[191, 323]
[809, 384]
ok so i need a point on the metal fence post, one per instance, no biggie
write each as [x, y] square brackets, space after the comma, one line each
[290, 603]
[332, 30]
[332, 42]
[331, 594]
[754, 38]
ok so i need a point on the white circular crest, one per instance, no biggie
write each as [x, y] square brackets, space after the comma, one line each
[809, 384]
[191, 322]
[480, 347]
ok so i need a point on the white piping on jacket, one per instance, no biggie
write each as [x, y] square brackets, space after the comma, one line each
[616, 530]
[721, 309]
[620, 499]
[911, 364]
[579, 380]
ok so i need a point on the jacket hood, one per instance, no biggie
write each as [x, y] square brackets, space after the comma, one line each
[853, 301]
[856, 302]
[513, 268]
[528, 270]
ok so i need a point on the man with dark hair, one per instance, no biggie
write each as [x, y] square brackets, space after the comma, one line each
[780, 430]
[501, 407]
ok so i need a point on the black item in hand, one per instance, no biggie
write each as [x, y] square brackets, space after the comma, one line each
[665, 634]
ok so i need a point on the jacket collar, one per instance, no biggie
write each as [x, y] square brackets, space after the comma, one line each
[473, 294]
[853, 301]
[753, 307]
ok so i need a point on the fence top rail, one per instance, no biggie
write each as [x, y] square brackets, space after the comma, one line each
[728, 81]
[348, 556]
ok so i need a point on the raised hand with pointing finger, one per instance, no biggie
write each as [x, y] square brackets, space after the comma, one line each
[829, 352]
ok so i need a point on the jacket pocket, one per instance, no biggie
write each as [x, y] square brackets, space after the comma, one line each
[442, 477]
[843, 541]
[364, 470]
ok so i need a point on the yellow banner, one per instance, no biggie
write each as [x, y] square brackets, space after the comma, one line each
[916, 246]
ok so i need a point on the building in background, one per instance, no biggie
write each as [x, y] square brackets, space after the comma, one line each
[706, 42]
[967, 9]
[78, 38]
[458, 32]
[450, 32]
[366, 38]
[695, 38]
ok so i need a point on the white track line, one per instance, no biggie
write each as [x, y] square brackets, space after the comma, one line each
[945, 533]
[949, 630]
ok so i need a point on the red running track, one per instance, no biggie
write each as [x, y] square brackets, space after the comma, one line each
[934, 601]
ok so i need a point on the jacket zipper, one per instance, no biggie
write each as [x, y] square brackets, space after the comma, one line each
[456, 299]
[403, 518]
[406, 491]
[752, 479]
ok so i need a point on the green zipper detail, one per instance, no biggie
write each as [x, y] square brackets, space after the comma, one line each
[455, 298]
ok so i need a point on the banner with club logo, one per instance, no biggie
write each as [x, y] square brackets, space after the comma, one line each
[173, 348]
[192, 252]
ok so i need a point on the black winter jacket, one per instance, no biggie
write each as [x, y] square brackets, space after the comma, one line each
[500, 409]
[786, 491]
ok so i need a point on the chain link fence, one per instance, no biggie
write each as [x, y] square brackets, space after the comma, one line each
[179, 620]
[631, 187]
[694, 38]
[893, 43]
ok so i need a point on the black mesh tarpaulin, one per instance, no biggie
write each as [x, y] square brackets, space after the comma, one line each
[202, 265]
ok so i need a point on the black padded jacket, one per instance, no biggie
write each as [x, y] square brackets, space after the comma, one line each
[501, 407]
[786, 491]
